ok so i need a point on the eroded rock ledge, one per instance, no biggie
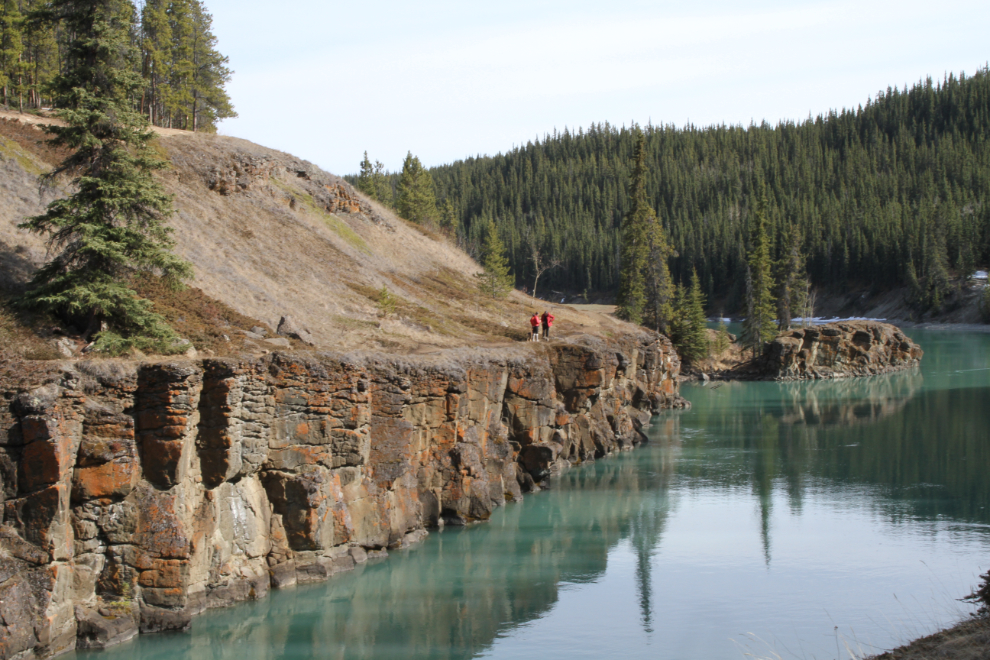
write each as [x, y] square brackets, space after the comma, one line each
[834, 350]
[137, 496]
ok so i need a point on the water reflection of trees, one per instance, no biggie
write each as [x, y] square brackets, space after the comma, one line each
[928, 459]
[452, 597]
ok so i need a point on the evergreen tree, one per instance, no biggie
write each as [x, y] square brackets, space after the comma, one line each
[759, 327]
[792, 281]
[657, 280]
[11, 47]
[449, 222]
[679, 322]
[113, 226]
[364, 181]
[635, 242]
[210, 73]
[416, 201]
[156, 43]
[694, 345]
[496, 280]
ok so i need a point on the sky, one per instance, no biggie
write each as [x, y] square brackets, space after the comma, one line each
[327, 81]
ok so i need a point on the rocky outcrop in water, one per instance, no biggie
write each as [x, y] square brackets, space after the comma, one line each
[136, 496]
[835, 350]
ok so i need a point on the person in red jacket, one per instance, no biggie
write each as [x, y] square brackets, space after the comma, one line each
[535, 323]
[547, 320]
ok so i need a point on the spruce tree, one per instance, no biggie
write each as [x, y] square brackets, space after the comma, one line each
[416, 200]
[792, 280]
[113, 226]
[631, 299]
[694, 342]
[759, 327]
[364, 182]
[657, 280]
[496, 280]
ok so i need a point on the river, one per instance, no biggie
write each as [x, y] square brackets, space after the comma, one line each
[794, 520]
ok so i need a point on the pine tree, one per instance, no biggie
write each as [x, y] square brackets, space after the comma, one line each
[11, 46]
[417, 201]
[635, 242]
[210, 74]
[156, 43]
[496, 280]
[759, 327]
[113, 226]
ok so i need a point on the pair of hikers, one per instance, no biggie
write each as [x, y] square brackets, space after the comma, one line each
[537, 321]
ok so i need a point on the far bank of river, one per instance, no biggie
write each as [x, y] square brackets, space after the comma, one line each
[779, 520]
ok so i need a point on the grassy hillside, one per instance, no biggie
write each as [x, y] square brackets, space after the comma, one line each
[269, 236]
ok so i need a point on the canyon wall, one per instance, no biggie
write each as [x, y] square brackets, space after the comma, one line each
[136, 496]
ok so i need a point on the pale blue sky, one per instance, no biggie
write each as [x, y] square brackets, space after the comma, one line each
[327, 80]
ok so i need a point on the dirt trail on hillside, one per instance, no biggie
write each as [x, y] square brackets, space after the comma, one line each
[42, 120]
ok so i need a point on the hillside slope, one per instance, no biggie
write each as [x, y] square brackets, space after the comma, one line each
[270, 235]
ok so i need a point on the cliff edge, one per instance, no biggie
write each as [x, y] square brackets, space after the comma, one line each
[137, 495]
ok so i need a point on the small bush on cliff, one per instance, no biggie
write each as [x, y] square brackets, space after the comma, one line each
[113, 226]
[387, 303]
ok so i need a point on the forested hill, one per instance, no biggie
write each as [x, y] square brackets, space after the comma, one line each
[893, 192]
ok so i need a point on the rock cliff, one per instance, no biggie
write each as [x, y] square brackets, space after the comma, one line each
[835, 350]
[136, 496]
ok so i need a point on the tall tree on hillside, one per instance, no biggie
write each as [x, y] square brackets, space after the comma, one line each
[792, 281]
[657, 281]
[113, 226]
[450, 224]
[156, 45]
[11, 46]
[496, 280]
[373, 181]
[416, 199]
[210, 73]
[759, 327]
[41, 59]
[635, 241]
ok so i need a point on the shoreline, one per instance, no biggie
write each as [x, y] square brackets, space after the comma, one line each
[968, 639]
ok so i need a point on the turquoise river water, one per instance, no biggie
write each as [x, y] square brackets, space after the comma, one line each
[803, 520]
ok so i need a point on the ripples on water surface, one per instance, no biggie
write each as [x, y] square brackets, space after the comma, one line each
[789, 520]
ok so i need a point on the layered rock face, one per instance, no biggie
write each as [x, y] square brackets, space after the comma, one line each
[838, 350]
[135, 497]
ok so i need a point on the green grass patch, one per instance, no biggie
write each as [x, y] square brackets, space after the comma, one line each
[338, 226]
[13, 151]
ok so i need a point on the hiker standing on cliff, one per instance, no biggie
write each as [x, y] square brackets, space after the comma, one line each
[547, 320]
[534, 322]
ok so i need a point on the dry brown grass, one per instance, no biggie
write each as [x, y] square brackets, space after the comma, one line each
[271, 250]
[969, 640]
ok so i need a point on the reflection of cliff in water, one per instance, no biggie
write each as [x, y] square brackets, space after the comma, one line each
[452, 597]
[922, 452]
[849, 401]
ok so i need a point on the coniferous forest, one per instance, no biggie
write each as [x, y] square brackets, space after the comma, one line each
[892, 193]
[174, 51]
